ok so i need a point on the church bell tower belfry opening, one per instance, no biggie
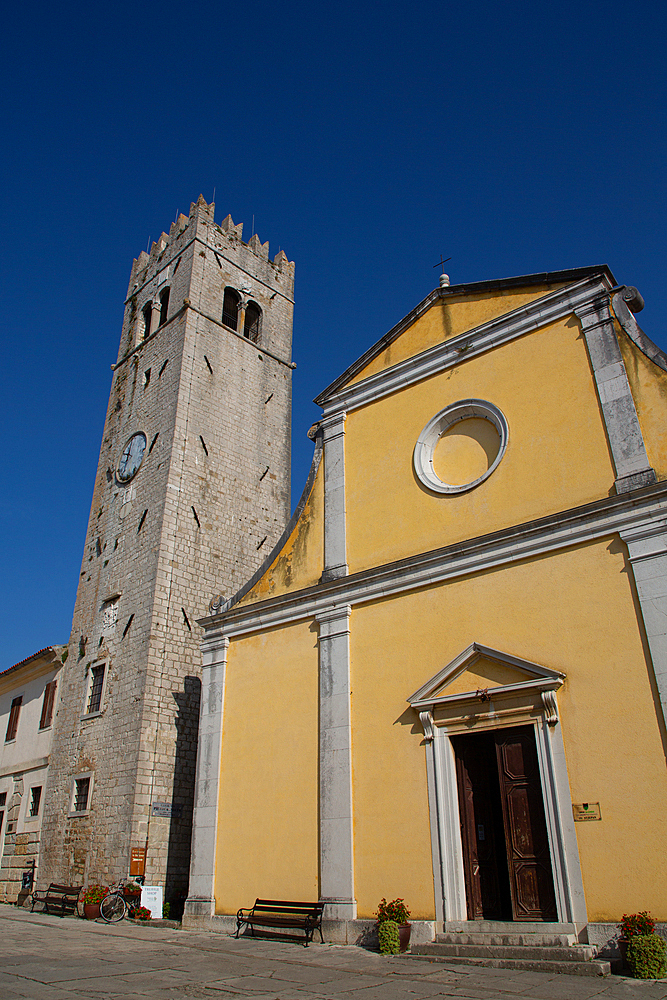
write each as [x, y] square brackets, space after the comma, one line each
[192, 490]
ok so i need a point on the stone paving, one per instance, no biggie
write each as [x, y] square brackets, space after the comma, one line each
[44, 957]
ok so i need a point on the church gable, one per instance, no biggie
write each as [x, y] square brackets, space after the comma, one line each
[452, 310]
[445, 319]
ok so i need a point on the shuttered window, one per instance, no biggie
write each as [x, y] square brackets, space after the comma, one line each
[47, 705]
[13, 723]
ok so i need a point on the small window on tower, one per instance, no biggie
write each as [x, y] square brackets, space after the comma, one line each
[230, 308]
[164, 305]
[80, 794]
[253, 316]
[95, 688]
[147, 312]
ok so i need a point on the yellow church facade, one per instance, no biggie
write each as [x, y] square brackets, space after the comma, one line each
[448, 682]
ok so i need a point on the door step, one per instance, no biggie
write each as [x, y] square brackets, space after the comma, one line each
[509, 932]
[574, 968]
[535, 947]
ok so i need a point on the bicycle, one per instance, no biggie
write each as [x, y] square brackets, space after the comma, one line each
[114, 906]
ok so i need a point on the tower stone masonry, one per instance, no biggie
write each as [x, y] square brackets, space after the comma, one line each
[192, 491]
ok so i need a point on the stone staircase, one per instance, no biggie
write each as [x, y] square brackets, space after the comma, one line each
[534, 947]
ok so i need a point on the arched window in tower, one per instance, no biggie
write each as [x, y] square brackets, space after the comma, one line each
[230, 308]
[253, 319]
[147, 312]
[164, 305]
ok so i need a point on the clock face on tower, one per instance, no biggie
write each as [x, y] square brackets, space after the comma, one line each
[130, 460]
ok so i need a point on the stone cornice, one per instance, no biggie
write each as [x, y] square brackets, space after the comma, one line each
[611, 515]
[24, 765]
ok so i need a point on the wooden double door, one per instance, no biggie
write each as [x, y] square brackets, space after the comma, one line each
[506, 856]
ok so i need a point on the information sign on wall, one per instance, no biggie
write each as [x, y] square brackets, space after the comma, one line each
[137, 861]
[586, 811]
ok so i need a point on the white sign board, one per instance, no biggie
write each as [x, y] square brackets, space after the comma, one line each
[151, 898]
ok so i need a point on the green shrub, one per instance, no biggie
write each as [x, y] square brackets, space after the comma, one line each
[389, 939]
[646, 956]
[166, 910]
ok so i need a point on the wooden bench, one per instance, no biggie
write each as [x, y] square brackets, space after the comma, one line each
[58, 897]
[281, 913]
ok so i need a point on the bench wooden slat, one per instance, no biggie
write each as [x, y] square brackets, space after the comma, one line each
[58, 896]
[283, 913]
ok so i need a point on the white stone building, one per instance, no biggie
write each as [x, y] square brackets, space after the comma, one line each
[28, 704]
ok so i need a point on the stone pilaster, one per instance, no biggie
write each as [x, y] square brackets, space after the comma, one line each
[336, 810]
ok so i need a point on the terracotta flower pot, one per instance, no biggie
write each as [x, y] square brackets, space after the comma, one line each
[404, 936]
[91, 911]
[623, 948]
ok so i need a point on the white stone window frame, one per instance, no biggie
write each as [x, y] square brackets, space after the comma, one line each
[464, 409]
[72, 796]
[88, 686]
[38, 815]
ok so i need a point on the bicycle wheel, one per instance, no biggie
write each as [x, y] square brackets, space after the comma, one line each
[112, 908]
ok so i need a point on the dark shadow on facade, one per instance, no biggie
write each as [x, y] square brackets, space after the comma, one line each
[180, 827]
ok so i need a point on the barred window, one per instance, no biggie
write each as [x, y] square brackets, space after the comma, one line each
[230, 308]
[96, 684]
[251, 327]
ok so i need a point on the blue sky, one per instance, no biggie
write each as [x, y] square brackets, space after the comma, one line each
[365, 139]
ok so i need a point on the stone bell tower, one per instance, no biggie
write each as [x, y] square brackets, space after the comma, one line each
[192, 491]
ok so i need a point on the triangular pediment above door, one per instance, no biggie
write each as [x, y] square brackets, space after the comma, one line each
[482, 668]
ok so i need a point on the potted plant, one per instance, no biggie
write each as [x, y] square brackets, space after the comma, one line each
[92, 898]
[397, 911]
[140, 913]
[632, 925]
[641, 948]
[131, 892]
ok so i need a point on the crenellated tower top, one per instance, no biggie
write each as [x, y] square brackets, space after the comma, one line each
[201, 223]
